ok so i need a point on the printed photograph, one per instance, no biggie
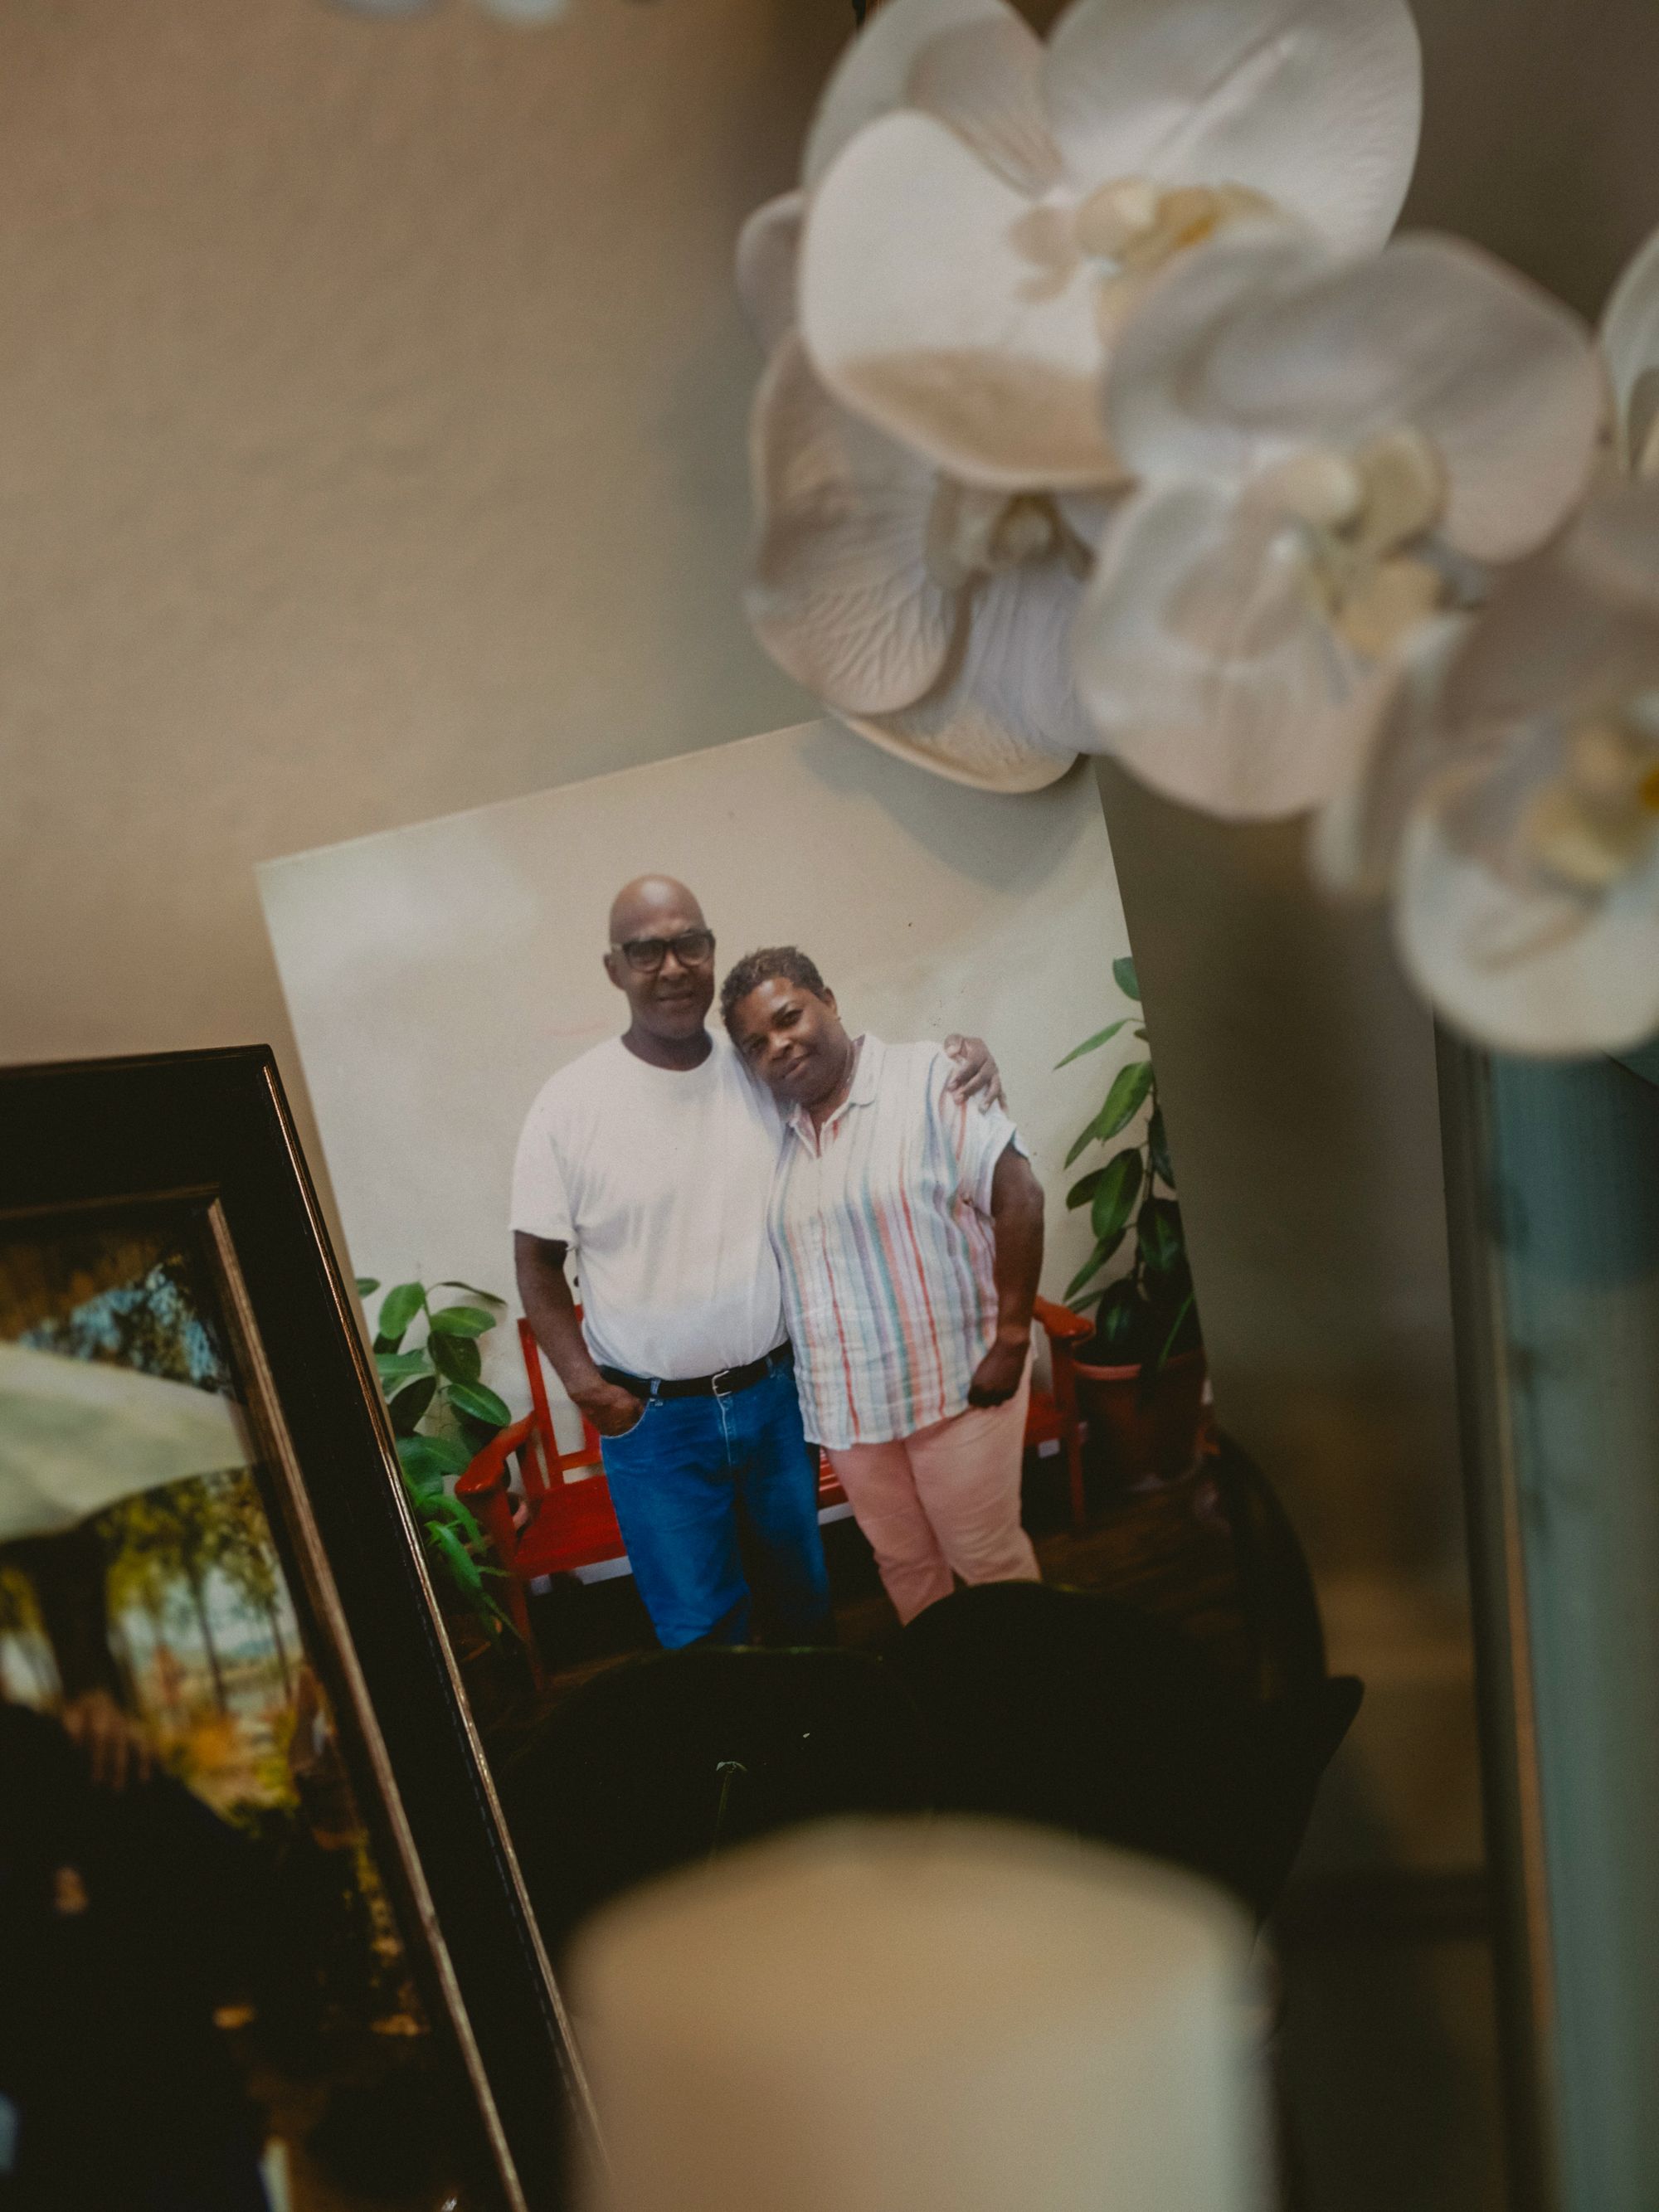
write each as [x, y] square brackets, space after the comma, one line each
[763, 1213]
[208, 2003]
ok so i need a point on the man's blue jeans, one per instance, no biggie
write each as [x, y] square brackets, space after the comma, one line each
[681, 1479]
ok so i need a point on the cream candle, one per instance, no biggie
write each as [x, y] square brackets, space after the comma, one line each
[922, 2016]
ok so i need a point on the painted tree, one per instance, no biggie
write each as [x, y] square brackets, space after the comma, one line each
[20, 1619]
[182, 1531]
[139, 1576]
[248, 1559]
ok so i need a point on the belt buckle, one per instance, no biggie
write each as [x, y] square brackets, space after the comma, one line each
[715, 1380]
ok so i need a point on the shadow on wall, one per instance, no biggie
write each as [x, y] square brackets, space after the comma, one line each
[1298, 1075]
[948, 820]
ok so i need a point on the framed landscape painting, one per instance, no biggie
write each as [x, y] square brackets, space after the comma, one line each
[267, 1947]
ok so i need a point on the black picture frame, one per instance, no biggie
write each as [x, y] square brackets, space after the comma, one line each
[210, 1132]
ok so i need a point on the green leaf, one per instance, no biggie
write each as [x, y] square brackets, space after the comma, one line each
[462, 1320]
[1162, 1249]
[367, 1285]
[1124, 976]
[422, 1457]
[1157, 1145]
[474, 1434]
[457, 1511]
[1092, 1267]
[489, 1297]
[1168, 1345]
[455, 1356]
[1115, 1200]
[1119, 1321]
[411, 1403]
[1130, 1086]
[1082, 1143]
[478, 1400]
[460, 1561]
[1125, 1099]
[1084, 1189]
[396, 1366]
[399, 1307]
[1099, 1038]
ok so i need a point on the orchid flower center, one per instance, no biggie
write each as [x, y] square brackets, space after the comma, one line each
[1601, 816]
[1138, 225]
[972, 533]
[1360, 519]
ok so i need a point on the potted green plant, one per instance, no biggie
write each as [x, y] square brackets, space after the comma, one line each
[1140, 1376]
[442, 1416]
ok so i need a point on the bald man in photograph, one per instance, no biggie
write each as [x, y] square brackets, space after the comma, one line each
[649, 1161]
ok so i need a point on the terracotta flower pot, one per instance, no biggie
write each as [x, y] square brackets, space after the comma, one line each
[1157, 1437]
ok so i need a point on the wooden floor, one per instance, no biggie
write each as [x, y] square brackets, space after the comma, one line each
[1166, 1545]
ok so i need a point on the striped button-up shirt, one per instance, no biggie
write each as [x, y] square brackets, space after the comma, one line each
[881, 1221]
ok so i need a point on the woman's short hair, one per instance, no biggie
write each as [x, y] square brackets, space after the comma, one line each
[783, 964]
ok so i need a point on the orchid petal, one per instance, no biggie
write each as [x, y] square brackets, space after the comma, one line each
[1206, 665]
[1630, 339]
[940, 303]
[975, 65]
[769, 247]
[1356, 838]
[1572, 629]
[961, 748]
[1315, 103]
[1005, 716]
[1522, 970]
[841, 594]
[1188, 393]
[1258, 347]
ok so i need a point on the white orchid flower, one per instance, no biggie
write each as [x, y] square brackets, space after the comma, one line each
[1511, 798]
[986, 212]
[1630, 341]
[1327, 452]
[933, 618]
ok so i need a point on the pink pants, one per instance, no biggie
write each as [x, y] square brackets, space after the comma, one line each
[944, 1500]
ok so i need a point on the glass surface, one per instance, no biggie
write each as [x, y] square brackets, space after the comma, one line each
[1556, 1237]
[213, 1997]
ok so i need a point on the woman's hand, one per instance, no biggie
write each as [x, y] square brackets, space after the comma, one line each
[999, 1374]
[977, 1075]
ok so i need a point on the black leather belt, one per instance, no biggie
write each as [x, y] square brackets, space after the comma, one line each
[725, 1384]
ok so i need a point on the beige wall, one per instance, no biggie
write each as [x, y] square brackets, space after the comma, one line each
[374, 398]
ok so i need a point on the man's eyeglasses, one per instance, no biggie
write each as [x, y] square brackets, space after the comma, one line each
[645, 954]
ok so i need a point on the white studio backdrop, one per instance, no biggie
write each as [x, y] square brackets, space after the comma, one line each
[437, 976]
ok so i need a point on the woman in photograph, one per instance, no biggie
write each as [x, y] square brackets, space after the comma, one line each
[907, 1225]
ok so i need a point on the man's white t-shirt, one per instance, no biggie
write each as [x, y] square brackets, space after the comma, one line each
[658, 1179]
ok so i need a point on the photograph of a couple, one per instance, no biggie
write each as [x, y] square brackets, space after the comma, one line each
[788, 1235]
[845, 1265]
